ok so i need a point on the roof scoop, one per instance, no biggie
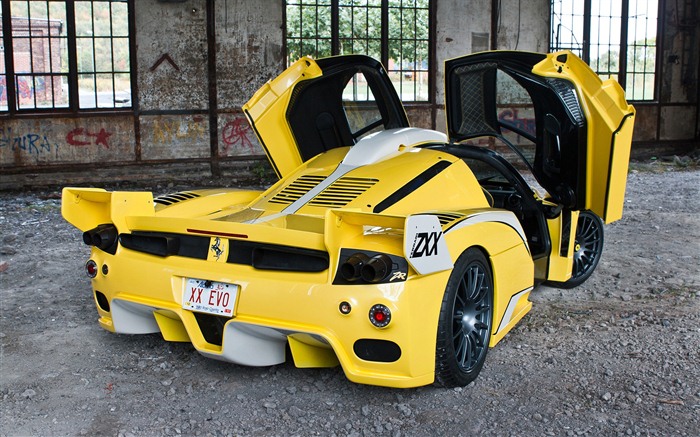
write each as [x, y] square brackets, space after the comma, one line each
[379, 146]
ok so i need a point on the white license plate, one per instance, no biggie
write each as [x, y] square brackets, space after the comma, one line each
[209, 297]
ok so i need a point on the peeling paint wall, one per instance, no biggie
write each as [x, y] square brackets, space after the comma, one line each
[174, 137]
[38, 142]
[523, 25]
[249, 48]
[171, 41]
[679, 67]
[177, 131]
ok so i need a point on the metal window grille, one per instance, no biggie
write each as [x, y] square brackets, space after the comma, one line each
[395, 31]
[73, 55]
[617, 39]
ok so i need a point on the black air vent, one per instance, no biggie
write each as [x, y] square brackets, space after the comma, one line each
[382, 351]
[342, 192]
[567, 94]
[166, 244]
[296, 189]
[448, 217]
[170, 199]
[275, 257]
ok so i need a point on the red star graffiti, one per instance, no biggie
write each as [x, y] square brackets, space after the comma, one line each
[83, 137]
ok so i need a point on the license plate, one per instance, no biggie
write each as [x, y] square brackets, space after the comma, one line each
[209, 297]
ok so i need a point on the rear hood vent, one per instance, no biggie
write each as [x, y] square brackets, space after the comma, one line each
[336, 195]
[296, 189]
[342, 192]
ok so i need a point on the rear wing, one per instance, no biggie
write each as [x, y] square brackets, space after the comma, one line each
[87, 208]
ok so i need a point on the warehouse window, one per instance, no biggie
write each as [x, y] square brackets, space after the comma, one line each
[72, 55]
[617, 39]
[395, 31]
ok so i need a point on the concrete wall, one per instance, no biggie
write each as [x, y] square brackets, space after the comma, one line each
[677, 114]
[192, 78]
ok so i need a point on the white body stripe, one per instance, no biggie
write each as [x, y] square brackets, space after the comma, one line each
[369, 150]
[505, 217]
[511, 307]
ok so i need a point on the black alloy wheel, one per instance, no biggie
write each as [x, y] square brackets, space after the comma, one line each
[466, 315]
[588, 248]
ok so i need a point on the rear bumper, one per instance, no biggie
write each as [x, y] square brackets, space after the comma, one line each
[144, 295]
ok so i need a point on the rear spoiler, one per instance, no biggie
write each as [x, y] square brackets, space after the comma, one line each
[87, 208]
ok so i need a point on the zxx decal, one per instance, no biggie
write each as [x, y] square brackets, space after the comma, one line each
[425, 244]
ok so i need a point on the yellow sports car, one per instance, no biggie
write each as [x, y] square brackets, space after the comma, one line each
[401, 254]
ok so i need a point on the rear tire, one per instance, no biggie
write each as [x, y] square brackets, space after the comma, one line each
[464, 327]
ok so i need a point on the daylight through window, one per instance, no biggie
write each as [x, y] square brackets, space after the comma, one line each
[65, 54]
[397, 32]
[616, 38]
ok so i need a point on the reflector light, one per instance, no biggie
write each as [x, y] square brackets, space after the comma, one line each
[345, 307]
[91, 268]
[379, 315]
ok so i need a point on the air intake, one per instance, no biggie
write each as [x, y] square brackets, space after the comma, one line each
[342, 192]
[448, 217]
[296, 189]
[170, 199]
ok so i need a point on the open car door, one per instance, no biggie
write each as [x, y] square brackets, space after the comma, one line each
[582, 129]
[318, 105]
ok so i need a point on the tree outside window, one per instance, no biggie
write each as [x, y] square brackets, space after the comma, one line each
[616, 38]
[397, 32]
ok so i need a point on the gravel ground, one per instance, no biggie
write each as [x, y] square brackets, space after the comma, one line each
[616, 356]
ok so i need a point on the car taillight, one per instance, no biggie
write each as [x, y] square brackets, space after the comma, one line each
[380, 315]
[91, 268]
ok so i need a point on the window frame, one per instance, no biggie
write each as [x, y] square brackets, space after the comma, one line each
[73, 107]
[584, 46]
[336, 38]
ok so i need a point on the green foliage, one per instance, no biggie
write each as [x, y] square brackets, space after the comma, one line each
[360, 29]
[640, 68]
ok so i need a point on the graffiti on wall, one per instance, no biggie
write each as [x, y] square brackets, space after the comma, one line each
[43, 143]
[31, 143]
[512, 117]
[519, 118]
[236, 135]
[83, 137]
[166, 131]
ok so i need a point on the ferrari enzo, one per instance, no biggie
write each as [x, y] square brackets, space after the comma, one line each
[401, 254]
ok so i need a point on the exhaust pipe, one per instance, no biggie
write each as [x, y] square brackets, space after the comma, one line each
[351, 270]
[103, 237]
[376, 268]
